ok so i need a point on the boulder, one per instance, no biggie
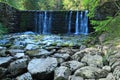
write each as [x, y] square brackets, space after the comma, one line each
[116, 73]
[2, 51]
[73, 65]
[14, 51]
[62, 73]
[31, 47]
[75, 78]
[18, 67]
[25, 76]
[90, 72]
[44, 52]
[102, 79]
[107, 68]
[110, 76]
[2, 72]
[19, 55]
[115, 64]
[95, 60]
[65, 56]
[60, 60]
[78, 56]
[42, 68]
[90, 79]
[38, 53]
[4, 61]
[67, 50]
[114, 57]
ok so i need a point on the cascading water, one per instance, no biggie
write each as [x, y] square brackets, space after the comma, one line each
[75, 22]
[81, 26]
[86, 23]
[69, 22]
[43, 22]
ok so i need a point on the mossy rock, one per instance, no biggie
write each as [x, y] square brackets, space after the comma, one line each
[32, 52]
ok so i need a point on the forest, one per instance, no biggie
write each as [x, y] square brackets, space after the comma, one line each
[59, 39]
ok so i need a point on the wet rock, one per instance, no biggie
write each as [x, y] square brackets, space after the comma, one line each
[42, 68]
[62, 55]
[90, 79]
[102, 79]
[4, 41]
[116, 73]
[113, 56]
[91, 51]
[60, 60]
[25, 76]
[17, 67]
[67, 50]
[107, 68]
[62, 73]
[78, 56]
[38, 53]
[2, 72]
[13, 52]
[115, 64]
[17, 47]
[95, 60]
[2, 51]
[44, 52]
[29, 33]
[19, 55]
[31, 47]
[73, 65]
[75, 78]
[90, 72]
[110, 77]
[4, 61]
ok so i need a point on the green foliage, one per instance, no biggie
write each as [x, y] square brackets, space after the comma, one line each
[34, 4]
[111, 26]
[2, 29]
[71, 4]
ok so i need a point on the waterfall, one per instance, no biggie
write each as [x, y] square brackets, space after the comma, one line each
[81, 25]
[86, 22]
[77, 23]
[69, 22]
[43, 22]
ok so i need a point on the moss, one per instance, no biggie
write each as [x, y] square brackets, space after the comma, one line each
[32, 52]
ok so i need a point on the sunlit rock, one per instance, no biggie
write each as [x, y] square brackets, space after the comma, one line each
[42, 68]
[17, 67]
[62, 73]
[25, 76]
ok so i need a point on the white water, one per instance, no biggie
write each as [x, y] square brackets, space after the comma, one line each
[69, 23]
[43, 22]
[81, 26]
[77, 23]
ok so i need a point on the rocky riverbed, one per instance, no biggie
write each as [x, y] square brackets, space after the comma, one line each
[28, 56]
